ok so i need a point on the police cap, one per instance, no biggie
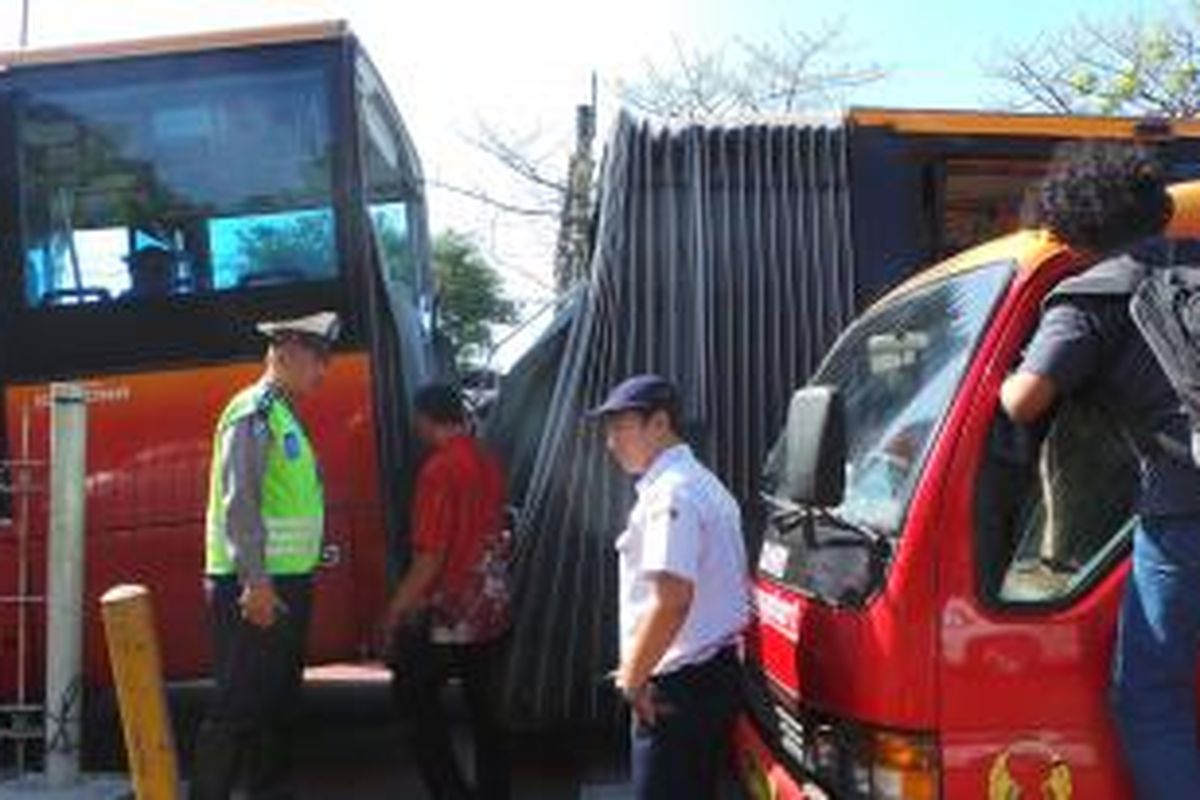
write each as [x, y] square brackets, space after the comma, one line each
[318, 330]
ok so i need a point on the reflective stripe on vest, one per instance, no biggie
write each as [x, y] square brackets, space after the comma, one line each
[292, 502]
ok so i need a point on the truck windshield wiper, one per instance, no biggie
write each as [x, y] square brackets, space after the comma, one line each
[787, 516]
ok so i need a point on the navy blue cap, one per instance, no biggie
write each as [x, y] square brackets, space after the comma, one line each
[641, 392]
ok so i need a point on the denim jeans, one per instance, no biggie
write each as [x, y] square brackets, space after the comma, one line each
[1154, 668]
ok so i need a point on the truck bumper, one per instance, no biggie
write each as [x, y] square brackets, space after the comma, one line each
[761, 773]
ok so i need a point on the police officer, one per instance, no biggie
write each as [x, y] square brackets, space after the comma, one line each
[264, 529]
[684, 596]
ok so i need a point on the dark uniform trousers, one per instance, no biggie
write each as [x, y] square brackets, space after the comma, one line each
[259, 674]
[680, 756]
[421, 670]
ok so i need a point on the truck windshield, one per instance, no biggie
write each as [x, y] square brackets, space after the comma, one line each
[898, 369]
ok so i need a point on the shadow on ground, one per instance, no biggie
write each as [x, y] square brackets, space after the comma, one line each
[351, 746]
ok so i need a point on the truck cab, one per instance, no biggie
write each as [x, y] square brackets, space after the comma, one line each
[944, 628]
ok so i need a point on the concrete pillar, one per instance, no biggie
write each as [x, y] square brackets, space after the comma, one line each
[64, 581]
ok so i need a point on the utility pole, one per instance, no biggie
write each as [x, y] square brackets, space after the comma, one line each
[24, 24]
[572, 252]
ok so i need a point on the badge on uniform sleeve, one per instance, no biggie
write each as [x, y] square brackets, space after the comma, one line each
[291, 445]
[259, 427]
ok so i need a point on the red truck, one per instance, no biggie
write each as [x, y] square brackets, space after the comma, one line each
[945, 628]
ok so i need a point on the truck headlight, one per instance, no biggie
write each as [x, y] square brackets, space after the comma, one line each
[858, 762]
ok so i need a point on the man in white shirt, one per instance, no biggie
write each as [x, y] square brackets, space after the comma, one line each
[684, 596]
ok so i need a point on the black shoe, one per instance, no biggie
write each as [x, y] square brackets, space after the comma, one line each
[215, 766]
[269, 770]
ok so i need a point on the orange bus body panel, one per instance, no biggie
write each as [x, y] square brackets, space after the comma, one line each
[177, 44]
[149, 450]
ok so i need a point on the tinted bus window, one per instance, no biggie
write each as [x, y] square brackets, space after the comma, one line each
[269, 248]
[390, 224]
[393, 194]
[176, 186]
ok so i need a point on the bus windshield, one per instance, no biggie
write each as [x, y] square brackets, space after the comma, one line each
[175, 185]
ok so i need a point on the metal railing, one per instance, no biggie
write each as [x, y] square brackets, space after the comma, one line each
[22, 721]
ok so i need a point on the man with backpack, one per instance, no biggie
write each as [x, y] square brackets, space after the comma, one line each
[1105, 198]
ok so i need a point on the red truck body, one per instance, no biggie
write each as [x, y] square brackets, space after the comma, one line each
[943, 683]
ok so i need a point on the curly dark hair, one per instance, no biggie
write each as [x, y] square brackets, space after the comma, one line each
[1100, 195]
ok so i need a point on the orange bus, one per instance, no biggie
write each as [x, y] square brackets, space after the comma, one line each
[260, 174]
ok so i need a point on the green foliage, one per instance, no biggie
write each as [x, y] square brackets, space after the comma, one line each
[399, 258]
[301, 246]
[471, 297]
[1132, 66]
[470, 291]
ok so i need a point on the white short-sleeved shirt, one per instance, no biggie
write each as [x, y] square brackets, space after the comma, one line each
[686, 523]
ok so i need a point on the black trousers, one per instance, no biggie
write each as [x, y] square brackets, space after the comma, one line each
[259, 675]
[681, 754]
[421, 670]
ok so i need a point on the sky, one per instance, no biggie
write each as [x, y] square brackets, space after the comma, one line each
[521, 67]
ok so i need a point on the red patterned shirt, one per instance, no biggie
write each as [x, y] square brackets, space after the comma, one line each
[459, 510]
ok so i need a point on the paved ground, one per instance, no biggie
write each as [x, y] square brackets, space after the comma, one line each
[351, 747]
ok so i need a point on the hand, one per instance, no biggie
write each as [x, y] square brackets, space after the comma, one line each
[644, 703]
[643, 697]
[260, 604]
[395, 617]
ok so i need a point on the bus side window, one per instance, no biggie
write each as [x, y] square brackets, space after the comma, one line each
[1054, 508]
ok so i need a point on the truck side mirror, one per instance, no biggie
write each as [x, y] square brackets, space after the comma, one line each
[814, 471]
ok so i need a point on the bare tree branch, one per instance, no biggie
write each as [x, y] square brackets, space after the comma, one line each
[486, 198]
[515, 157]
[789, 73]
[1130, 65]
[1035, 84]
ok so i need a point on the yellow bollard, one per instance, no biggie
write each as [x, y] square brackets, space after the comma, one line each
[137, 672]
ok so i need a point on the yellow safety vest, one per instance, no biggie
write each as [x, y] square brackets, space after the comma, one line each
[292, 504]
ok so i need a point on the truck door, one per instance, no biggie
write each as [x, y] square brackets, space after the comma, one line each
[1038, 526]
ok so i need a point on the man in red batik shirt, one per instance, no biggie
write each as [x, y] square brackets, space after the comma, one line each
[450, 614]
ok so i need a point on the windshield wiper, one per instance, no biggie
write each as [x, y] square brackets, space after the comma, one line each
[787, 516]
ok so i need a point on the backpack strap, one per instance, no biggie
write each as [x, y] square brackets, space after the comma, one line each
[1149, 291]
[1114, 277]
[1166, 309]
